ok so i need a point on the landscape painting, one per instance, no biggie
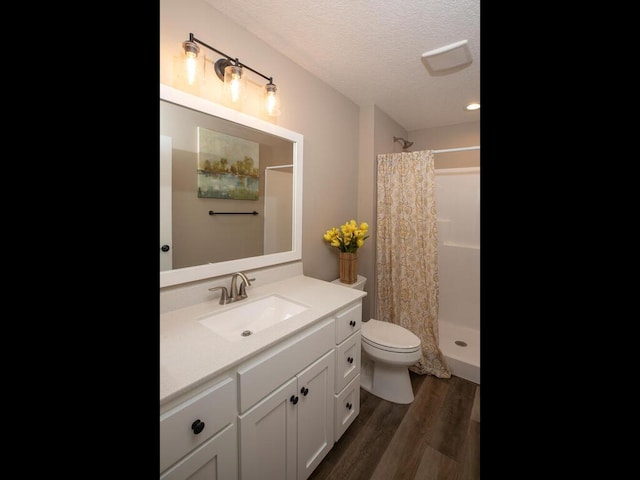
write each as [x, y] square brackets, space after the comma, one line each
[228, 167]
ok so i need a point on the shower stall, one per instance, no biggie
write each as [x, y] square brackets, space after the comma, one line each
[458, 210]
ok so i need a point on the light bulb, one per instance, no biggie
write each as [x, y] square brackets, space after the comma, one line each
[234, 82]
[191, 67]
[271, 100]
[235, 88]
[191, 57]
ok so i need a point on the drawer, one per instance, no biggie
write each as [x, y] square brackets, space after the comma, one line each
[348, 322]
[215, 407]
[348, 358]
[216, 458]
[267, 371]
[347, 407]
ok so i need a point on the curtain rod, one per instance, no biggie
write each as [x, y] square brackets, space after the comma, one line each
[461, 149]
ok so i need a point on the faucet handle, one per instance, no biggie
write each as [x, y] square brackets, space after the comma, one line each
[224, 295]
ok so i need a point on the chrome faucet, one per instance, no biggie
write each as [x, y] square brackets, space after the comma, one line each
[234, 294]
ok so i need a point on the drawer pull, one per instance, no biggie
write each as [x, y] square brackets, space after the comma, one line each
[304, 391]
[197, 426]
[349, 406]
[350, 359]
[352, 323]
[294, 399]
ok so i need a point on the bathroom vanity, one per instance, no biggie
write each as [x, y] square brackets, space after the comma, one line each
[267, 405]
[260, 388]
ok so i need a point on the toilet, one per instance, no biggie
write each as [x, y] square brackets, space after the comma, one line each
[388, 350]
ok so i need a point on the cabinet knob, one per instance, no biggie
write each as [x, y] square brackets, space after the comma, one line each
[350, 359]
[165, 248]
[293, 399]
[349, 406]
[197, 426]
[352, 323]
[304, 391]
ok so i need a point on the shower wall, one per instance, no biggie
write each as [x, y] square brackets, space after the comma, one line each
[458, 209]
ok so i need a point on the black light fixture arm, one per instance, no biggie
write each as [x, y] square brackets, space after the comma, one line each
[192, 38]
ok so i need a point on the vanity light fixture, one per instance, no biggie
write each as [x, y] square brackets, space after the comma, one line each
[232, 73]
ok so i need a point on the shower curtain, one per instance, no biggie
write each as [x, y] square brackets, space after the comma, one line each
[407, 252]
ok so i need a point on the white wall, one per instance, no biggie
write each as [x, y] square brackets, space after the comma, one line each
[458, 209]
[278, 192]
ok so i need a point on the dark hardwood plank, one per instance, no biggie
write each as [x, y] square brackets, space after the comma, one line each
[475, 413]
[470, 461]
[436, 466]
[435, 437]
[449, 432]
[404, 452]
[356, 454]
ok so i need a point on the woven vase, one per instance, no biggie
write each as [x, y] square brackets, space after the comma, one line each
[348, 267]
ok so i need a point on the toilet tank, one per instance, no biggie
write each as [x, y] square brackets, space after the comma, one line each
[358, 284]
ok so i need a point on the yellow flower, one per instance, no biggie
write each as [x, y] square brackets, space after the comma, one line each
[349, 237]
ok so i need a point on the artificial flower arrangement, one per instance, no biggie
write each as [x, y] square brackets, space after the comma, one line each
[349, 237]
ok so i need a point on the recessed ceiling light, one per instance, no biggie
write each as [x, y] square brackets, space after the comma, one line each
[473, 106]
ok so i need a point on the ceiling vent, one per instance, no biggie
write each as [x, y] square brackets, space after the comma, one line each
[446, 58]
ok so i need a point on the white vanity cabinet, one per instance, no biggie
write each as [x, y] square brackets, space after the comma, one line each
[347, 378]
[273, 413]
[198, 437]
[287, 433]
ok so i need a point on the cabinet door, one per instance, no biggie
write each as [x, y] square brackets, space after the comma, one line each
[268, 436]
[216, 459]
[315, 413]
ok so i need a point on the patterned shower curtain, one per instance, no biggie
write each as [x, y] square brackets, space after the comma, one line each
[407, 252]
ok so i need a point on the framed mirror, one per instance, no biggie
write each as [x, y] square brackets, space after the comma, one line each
[230, 190]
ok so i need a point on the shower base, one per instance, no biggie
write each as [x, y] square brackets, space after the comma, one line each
[461, 348]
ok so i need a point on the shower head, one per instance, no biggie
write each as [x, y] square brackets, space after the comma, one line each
[405, 143]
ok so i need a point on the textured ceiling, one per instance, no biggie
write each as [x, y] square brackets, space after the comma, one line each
[370, 50]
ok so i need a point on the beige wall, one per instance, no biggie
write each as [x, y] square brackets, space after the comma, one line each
[461, 135]
[341, 141]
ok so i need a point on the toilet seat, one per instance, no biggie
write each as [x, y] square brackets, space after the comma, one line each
[389, 337]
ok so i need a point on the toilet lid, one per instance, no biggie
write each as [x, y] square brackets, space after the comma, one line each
[389, 336]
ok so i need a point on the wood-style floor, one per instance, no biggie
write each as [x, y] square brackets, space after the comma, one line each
[435, 437]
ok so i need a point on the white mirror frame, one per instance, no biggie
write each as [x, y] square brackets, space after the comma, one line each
[201, 272]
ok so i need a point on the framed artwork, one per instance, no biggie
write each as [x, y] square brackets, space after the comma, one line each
[228, 167]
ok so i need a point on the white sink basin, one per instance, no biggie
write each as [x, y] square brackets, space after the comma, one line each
[249, 317]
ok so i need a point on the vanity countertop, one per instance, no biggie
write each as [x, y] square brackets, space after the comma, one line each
[191, 354]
